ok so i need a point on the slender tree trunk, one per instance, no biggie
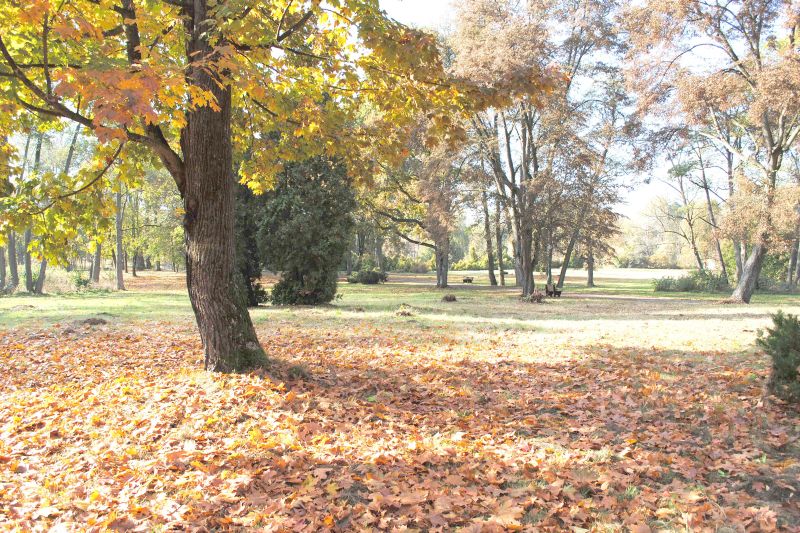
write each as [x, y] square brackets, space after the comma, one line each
[98, 257]
[216, 287]
[38, 288]
[361, 239]
[27, 261]
[498, 229]
[133, 263]
[379, 253]
[590, 268]
[442, 256]
[13, 271]
[792, 263]
[797, 273]
[568, 254]
[37, 158]
[2, 269]
[515, 251]
[711, 217]
[120, 254]
[550, 256]
[487, 230]
[700, 266]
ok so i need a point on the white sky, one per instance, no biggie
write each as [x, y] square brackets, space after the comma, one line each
[439, 14]
[424, 13]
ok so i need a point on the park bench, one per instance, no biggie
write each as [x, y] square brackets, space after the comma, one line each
[552, 291]
[467, 280]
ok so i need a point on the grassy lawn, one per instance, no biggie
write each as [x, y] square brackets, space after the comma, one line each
[612, 408]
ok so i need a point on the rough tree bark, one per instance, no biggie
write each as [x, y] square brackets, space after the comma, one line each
[590, 268]
[487, 230]
[750, 272]
[216, 289]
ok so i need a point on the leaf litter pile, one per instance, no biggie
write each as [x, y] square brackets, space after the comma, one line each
[365, 428]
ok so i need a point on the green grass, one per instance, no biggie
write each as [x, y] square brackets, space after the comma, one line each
[126, 306]
[622, 311]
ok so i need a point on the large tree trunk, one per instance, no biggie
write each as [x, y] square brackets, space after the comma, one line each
[738, 254]
[216, 289]
[98, 256]
[38, 288]
[13, 271]
[498, 237]
[120, 255]
[750, 272]
[590, 268]
[487, 230]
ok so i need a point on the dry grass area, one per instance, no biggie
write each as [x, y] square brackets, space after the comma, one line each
[594, 412]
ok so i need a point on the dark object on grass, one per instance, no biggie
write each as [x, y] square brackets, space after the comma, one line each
[449, 298]
[94, 321]
[536, 297]
[298, 372]
[404, 310]
[468, 280]
[552, 291]
[368, 277]
[782, 344]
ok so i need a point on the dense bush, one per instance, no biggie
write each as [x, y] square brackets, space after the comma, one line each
[368, 277]
[305, 230]
[291, 291]
[471, 263]
[79, 281]
[782, 344]
[695, 281]
[408, 264]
